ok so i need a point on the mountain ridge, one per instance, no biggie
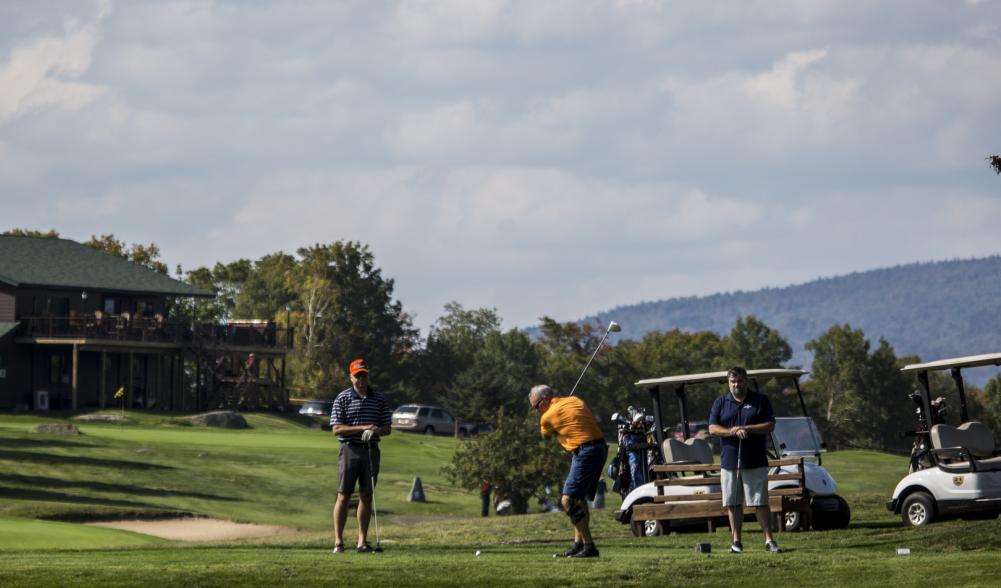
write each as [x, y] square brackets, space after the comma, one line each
[933, 309]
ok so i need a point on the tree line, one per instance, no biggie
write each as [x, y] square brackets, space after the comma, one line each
[340, 306]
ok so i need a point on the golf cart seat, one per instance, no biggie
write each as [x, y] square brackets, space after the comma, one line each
[976, 438]
[694, 450]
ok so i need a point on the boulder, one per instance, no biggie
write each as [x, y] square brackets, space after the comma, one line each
[101, 418]
[57, 429]
[225, 419]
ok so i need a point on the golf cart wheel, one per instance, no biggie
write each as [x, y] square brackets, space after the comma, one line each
[647, 528]
[830, 512]
[918, 510]
[797, 520]
[429, 430]
[844, 515]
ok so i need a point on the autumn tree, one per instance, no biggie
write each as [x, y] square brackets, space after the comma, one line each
[144, 255]
[15, 232]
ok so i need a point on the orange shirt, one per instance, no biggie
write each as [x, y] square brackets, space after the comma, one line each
[569, 418]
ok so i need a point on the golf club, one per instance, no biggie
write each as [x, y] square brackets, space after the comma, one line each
[613, 327]
[375, 511]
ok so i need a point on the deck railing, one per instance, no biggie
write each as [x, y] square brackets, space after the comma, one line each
[154, 330]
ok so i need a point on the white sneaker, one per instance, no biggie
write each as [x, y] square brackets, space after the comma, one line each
[772, 547]
[736, 547]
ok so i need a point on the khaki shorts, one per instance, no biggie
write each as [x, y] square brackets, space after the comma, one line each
[744, 487]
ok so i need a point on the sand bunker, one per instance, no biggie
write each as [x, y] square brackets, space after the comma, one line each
[192, 529]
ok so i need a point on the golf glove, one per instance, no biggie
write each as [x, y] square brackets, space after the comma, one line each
[367, 435]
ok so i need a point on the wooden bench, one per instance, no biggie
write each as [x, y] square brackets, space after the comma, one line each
[709, 505]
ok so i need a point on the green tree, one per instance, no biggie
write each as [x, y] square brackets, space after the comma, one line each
[343, 309]
[607, 386]
[754, 345]
[502, 372]
[989, 404]
[264, 291]
[858, 394]
[513, 458]
[452, 343]
[995, 161]
[144, 255]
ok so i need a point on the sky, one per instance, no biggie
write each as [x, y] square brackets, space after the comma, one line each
[539, 157]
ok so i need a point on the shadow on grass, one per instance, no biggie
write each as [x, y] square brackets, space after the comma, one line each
[28, 443]
[45, 496]
[79, 461]
[894, 524]
[40, 481]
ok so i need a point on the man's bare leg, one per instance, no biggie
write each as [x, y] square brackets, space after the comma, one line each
[736, 516]
[340, 516]
[581, 528]
[765, 520]
[364, 515]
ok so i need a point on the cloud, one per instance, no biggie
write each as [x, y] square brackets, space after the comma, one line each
[444, 130]
[444, 21]
[40, 74]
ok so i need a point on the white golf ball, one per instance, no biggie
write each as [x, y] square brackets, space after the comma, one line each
[477, 554]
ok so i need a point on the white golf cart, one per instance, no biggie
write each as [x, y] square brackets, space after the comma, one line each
[954, 470]
[792, 437]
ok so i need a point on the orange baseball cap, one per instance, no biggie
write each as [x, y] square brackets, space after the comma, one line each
[357, 366]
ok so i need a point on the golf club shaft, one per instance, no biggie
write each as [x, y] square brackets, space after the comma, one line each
[589, 362]
[375, 511]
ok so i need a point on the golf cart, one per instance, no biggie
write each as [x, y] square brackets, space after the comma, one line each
[793, 437]
[954, 470]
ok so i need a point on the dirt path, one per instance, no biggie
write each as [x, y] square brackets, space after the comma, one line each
[191, 529]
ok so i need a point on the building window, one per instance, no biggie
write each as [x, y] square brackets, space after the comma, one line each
[3, 366]
[59, 372]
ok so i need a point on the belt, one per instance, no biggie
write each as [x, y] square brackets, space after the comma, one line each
[357, 443]
[600, 441]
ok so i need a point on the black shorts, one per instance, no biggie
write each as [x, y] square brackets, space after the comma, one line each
[354, 465]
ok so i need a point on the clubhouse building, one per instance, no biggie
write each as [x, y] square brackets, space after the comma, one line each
[78, 325]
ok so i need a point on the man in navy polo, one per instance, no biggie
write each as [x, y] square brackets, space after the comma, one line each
[359, 417]
[743, 419]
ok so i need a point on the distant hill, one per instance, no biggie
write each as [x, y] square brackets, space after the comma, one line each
[934, 310]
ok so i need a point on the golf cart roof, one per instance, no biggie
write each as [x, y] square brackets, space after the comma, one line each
[956, 362]
[719, 377]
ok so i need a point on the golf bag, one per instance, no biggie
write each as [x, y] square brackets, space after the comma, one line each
[630, 466]
[921, 457]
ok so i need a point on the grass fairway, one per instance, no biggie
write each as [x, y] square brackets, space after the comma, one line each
[281, 472]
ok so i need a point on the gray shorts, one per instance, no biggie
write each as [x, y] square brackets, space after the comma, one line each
[744, 487]
[353, 465]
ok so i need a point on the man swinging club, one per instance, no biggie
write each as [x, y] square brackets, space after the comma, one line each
[575, 428]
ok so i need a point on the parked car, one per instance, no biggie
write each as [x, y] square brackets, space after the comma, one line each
[427, 419]
[317, 407]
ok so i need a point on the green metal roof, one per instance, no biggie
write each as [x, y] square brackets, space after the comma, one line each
[64, 264]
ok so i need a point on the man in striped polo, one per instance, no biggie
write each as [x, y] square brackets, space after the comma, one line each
[359, 418]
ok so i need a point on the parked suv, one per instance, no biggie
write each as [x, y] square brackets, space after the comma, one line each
[427, 419]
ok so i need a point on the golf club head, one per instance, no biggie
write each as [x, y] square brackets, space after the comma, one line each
[376, 549]
[613, 327]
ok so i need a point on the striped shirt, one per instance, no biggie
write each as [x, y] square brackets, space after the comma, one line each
[351, 409]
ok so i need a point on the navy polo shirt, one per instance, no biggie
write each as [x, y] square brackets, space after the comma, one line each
[727, 412]
[351, 409]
